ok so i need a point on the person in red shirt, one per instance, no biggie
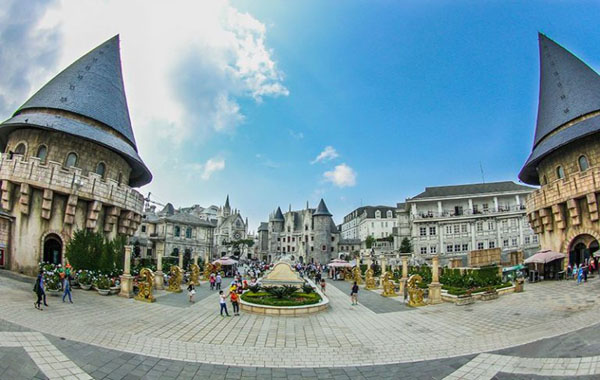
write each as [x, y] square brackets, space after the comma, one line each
[235, 303]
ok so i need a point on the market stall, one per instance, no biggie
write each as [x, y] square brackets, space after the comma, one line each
[545, 265]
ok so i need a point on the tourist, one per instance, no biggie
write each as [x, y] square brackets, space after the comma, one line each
[354, 294]
[211, 280]
[191, 291]
[223, 303]
[580, 274]
[38, 288]
[218, 281]
[323, 285]
[234, 303]
[67, 288]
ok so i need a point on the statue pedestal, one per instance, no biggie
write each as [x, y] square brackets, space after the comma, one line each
[126, 286]
[435, 293]
[159, 280]
[402, 286]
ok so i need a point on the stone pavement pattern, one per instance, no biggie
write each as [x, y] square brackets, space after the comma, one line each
[344, 336]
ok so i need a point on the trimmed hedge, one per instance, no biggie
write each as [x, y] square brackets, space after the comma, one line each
[457, 291]
[296, 299]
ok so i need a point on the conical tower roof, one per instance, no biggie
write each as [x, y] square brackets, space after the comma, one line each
[278, 215]
[227, 202]
[90, 98]
[322, 209]
[569, 89]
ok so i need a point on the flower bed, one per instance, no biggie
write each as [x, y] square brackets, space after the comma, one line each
[284, 300]
[296, 299]
[458, 291]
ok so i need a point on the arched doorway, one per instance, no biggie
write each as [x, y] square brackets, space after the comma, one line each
[53, 249]
[581, 248]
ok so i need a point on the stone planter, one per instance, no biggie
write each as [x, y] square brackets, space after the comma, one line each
[54, 293]
[464, 300]
[85, 287]
[104, 292]
[488, 296]
[115, 289]
[519, 285]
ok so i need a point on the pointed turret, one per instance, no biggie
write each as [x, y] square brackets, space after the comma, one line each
[87, 100]
[278, 217]
[322, 209]
[569, 96]
[227, 201]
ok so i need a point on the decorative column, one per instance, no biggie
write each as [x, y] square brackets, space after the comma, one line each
[404, 274]
[158, 276]
[383, 270]
[435, 288]
[126, 278]
[195, 259]
[181, 260]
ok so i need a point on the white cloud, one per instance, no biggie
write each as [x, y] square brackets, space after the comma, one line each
[328, 154]
[296, 135]
[211, 166]
[342, 176]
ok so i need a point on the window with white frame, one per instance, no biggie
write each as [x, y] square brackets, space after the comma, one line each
[456, 247]
[480, 245]
[423, 250]
[492, 244]
[535, 238]
[449, 229]
[505, 243]
[378, 214]
[423, 231]
[433, 249]
[432, 231]
[465, 247]
[449, 248]
[464, 228]
[491, 226]
[457, 228]
[527, 240]
[485, 207]
[504, 223]
[479, 226]
[389, 213]
[513, 222]
[514, 242]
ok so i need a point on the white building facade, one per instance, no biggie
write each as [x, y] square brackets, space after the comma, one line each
[453, 220]
[375, 221]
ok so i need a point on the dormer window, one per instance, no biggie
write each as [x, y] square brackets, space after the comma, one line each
[378, 214]
[71, 160]
[583, 163]
[560, 172]
[389, 214]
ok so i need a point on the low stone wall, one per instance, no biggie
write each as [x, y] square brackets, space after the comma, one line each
[287, 310]
[476, 296]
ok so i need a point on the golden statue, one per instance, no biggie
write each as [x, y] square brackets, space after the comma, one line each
[194, 275]
[347, 274]
[370, 279]
[207, 270]
[389, 288]
[145, 285]
[357, 275]
[415, 294]
[217, 268]
[175, 279]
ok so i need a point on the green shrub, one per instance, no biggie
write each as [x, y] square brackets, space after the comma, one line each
[102, 282]
[307, 289]
[298, 299]
[254, 288]
[280, 291]
[84, 277]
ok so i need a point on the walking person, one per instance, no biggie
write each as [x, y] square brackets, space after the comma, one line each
[212, 281]
[191, 291]
[218, 281]
[38, 288]
[223, 303]
[323, 285]
[580, 274]
[235, 303]
[67, 288]
[354, 294]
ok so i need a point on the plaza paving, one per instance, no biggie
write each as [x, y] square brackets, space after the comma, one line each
[149, 340]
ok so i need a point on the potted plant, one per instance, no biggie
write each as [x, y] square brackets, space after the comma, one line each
[103, 285]
[490, 294]
[465, 298]
[52, 281]
[115, 286]
[84, 278]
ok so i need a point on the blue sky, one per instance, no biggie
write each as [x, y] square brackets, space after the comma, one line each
[407, 94]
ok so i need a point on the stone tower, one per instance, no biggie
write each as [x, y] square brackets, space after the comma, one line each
[565, 159]
[322, 224]
[70, 162]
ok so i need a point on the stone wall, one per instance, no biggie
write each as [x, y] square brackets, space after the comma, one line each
[568, 158]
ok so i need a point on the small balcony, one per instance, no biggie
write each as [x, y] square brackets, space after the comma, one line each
[468, 213]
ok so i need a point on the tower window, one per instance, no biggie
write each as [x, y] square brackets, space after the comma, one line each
[71, 160]
[583, 163]
[560, 172]
[21, 149]
[177, 231]
[42, 153]
[101, 169]
[544, 180]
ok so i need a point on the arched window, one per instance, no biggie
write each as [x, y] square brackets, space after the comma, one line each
[188, 233]
[42, 153]
[101, 169]
[71, 160]
[20, 149]
[560, 173]
[583, 163]
[177, 231]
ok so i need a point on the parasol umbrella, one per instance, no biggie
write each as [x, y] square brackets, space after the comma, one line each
[225, 261]
[544, 257]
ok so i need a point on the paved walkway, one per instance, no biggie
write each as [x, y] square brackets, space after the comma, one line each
[343, 336]
[370, 299]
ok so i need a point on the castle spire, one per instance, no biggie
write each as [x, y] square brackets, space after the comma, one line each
[322, 209]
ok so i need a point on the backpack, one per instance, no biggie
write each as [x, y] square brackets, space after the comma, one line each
[36, 285]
